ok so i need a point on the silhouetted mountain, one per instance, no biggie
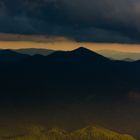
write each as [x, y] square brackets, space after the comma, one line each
[76, 71]
[79, 53]
[11, 56]
[34, 51]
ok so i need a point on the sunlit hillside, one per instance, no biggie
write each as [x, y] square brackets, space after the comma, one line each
[88, 133]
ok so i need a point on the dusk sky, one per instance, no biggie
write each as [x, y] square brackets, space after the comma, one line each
[69, 69]
[14, 41]
[90, 21]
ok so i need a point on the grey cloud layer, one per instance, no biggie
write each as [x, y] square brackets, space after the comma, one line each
[82, 20]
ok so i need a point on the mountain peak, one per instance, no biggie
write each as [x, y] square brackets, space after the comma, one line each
[83, 52]
[82, 49]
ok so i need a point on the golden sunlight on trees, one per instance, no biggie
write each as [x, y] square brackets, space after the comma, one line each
[88, 133]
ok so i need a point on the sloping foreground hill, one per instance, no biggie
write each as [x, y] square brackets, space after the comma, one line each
[96, 133]
[88, 133]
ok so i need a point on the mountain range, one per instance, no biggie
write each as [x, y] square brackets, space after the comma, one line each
[112, 54]
[83, 85]
[69, 71]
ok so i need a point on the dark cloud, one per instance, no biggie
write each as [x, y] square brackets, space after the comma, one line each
[90, 20]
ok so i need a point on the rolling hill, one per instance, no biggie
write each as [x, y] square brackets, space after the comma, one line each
[88, 133]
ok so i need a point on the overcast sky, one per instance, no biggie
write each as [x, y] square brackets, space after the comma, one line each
[81, 20]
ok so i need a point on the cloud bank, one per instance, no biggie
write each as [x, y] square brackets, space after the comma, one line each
[90, 20]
